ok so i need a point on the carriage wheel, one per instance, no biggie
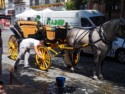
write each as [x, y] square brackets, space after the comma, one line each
[12, 47]
[45, 62]
[75, 55]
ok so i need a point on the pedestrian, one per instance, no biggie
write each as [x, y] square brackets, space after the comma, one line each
[1, 52]
[24, 50]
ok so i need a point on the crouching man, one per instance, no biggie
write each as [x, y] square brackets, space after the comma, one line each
[24, 50]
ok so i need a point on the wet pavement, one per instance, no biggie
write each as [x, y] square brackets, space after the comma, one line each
[76, 83]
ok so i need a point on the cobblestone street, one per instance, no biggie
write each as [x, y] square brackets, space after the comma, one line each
[43, 82]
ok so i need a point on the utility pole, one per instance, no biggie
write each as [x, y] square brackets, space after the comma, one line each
[122, 8]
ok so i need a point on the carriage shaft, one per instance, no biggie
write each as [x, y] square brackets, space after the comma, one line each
[62, 46]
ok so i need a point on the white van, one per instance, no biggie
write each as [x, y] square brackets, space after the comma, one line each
[75, 18]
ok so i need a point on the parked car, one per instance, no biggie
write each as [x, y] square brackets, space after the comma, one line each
[118, 50]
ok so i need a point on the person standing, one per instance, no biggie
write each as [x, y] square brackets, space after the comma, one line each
[24, 50]
[1, 52]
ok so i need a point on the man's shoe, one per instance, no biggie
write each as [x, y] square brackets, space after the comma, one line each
[27, 67]
[15, 68]
[1, 83]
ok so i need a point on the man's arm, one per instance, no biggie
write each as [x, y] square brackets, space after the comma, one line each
[37, 52]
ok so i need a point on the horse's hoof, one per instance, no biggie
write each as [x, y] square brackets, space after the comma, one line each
[76, 70]
[94, 78]
[100, 77]
[68, 67]
[72, 69]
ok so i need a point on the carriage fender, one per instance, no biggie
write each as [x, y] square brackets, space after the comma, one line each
[17, 35]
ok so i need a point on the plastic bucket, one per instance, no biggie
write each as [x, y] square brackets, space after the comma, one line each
[60, 81]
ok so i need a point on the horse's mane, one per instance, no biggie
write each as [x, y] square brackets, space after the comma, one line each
[111, 23]
[111, 27]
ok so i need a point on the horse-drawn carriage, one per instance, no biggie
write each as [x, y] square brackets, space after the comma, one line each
[99, 39]
[54, 38]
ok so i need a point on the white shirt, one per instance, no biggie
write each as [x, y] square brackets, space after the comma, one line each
[29, 42]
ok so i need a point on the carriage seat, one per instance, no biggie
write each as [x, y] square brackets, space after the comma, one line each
[28, 27]
[50, 32]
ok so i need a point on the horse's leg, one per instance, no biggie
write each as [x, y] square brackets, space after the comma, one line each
[99, 67]
[96, 61]
[101, 62]
[72, 58]
[98, 58]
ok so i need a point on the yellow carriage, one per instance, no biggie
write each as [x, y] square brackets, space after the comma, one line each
[55, 42]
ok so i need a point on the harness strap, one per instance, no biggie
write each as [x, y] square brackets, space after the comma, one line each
[80, 36]
[91, 42]
[103, 36]
[90, 37]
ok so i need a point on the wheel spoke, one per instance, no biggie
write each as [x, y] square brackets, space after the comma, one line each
[11, 52]
[12, 47]
[43, 63]
[46, 64]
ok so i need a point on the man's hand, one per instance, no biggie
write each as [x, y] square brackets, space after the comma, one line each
[39, 55]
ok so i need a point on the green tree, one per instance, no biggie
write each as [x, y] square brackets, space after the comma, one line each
[75, 4]
[70, 5]
[78, 4]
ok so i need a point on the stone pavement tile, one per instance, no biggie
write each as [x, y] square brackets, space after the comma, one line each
[21, 89]
[45, 81]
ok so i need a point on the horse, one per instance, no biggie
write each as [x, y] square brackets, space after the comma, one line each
[99, 39]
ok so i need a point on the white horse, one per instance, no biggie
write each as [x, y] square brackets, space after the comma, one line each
[99, 39]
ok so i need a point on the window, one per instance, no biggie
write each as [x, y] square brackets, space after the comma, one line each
[98, 20]
[31, 4]
[85, 22]
[10, 1]
[46, 1]
[57, 0]
[36, 2]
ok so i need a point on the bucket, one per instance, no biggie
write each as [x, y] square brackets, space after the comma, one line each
[60, 81]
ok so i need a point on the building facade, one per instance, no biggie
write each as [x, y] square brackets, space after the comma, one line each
[13, 7]
[7, 7]
[22, 5]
